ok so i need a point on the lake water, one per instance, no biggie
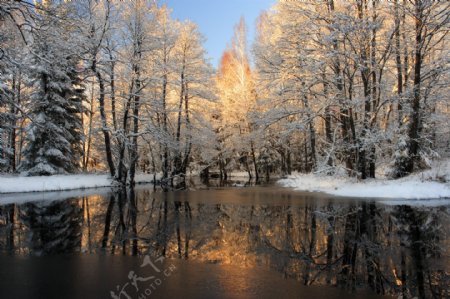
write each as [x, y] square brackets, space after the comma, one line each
[220, 242]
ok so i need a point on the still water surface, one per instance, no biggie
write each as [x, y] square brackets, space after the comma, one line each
[221, 242]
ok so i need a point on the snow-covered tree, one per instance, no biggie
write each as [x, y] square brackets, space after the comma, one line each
[345, 81]
[13, 17]
[237, 100]
[194, 96]
[54, 135]
[429, 29]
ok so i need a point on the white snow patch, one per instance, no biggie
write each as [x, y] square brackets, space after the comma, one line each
[144, 178]
[431, 203]
[430, 184]
[239, 174]
[18, 184]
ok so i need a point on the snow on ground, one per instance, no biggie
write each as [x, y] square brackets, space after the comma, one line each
[239, 174]
[430, 203]
[430, 184]
[19, 198]
[16, 184]
[49, 196]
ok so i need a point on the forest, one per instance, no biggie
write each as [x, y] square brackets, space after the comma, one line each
[358, 87]
[100, 95]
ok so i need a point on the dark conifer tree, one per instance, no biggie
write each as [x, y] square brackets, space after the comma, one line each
[54, 135]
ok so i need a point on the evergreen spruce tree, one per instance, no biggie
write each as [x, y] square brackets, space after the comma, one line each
[54, 135]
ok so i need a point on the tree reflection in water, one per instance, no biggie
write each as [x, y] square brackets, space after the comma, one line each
[399, 250]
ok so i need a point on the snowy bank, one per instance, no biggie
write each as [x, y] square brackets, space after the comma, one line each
[17, 184]
[418, 186]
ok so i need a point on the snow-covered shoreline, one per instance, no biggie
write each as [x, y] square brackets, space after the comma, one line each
[11, 184]
[417, 186]
[430, 184]
[18, 184]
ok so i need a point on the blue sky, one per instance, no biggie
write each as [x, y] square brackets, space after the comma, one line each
[217, 18]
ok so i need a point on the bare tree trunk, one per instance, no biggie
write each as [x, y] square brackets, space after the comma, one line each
[375, 102]
[255, 164]
[102, 92]
[288, 160]
[122, 169]
[165, 129]
[414, 125]
[134, 151]
[136, 104]
[305, 155]
[312, 141]
[398, 60]
[365, 73]
[345, 117]
[177, 160]
[17, 86]
[405, 49]
[188, 146]
[312, 130]
[87, 152]
[21, 140]
[105, 129]
[328, 130]
[112, 84]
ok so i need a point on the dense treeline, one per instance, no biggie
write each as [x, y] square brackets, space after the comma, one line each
[356, 83]
[113, 85]
[120, 86]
